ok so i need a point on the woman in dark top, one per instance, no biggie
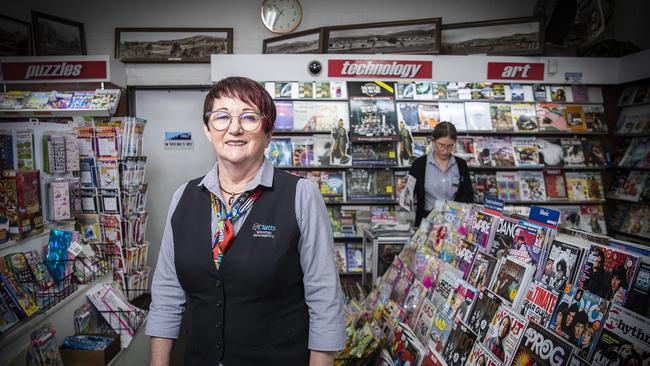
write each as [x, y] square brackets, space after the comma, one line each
[440, 175]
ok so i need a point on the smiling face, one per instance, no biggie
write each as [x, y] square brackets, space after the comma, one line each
[234, 145]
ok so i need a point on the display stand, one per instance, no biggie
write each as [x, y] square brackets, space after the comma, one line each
[372, 243]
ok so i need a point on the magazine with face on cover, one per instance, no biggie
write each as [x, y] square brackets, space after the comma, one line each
[505, 331]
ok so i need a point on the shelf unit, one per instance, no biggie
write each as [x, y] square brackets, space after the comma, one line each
[55, 113]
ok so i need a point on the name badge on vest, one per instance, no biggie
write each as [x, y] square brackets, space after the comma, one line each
[264, 231]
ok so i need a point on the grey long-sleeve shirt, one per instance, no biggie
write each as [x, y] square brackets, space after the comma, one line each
[322, 288]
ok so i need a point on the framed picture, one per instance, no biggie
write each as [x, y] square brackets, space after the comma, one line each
[171, 44]
[309, 41]
[54, 36]
[420, 36]
[15, 37]
[516, 36]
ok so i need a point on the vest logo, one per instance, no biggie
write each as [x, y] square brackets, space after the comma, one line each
[264, 231]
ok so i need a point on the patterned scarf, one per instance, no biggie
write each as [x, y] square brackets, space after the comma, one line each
[225, 233]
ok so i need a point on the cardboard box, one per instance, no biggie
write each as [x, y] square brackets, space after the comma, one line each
[75, 357]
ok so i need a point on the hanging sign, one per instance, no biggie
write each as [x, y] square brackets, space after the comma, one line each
[515, 70]
[55, 71]
[403, 69]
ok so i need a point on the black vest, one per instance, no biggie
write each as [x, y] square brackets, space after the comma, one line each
[251, 311]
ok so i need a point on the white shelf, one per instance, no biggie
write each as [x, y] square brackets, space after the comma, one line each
[33, 242]
[15, 342]
[56, 113]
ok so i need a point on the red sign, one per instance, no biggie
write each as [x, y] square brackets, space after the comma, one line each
[404, 69]
[515, 70]
[54, 70]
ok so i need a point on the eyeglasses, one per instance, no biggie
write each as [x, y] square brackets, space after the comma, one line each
[220, 120]
[445, 147]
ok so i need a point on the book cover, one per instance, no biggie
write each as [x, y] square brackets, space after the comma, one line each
[532, 186]
[573, 154]
[511, 281]
[501, 152]
[284, 115]
[524, 117]
[539, 303]
[578, 318]
[551, 151]
[624, 339]
[508, 186]
[501, 116]
[477, 115]
[561, 266]
[551, 117]
[505, 331]
[575, 118]
[453, 113]
[525, 151]
[481, 272]
[459, 345]
[555, 351]
[555, 184]
[480, 356]
[608, 273]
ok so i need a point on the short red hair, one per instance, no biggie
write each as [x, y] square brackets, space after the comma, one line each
[246, 90]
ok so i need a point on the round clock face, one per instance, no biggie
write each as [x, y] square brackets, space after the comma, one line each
[281, 16]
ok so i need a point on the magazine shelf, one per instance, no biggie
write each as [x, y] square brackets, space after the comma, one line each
[541, 168]
[46, 232]
[55, 113]
[636, 238]
[645, 202]
[513, 133]
[553, 202]
[632, 168]
[373, 202]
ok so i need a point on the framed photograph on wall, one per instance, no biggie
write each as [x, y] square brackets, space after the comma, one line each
[515, 36]
[309, 41]
[54, 36]
[181, 45]
[419, 36]
[15, 37]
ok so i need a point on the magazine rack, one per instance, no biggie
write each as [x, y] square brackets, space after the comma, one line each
[379, 249]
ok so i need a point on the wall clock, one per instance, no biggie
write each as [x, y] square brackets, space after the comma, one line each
[281, 16]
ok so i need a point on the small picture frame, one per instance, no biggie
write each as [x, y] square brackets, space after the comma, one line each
[418, 36]
[54, 36]
[309, 41]
[171, 45]
[514, 36]
[15, 37]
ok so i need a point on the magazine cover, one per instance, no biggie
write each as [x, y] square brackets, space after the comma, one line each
[509, 233]
[501, 116]
[511, 281]
[446, 284]
[551, 117]
[13, 99]
[59, 100]
[482, 153]
[459, 345]
[519, 92]
[480, 356]
[525, 151]
[320, 115]
[454, 113]
[592, 219]
[575, 118]
[405, 146]
[561, 93]
[482, 90]
[580, 93]
[595, 117]
[372, 112]
[25, 154]
[423, 91]
[555, 184]
[485, 183]
[573, 153]
[524, 117]
[504, 333]
[432, 358]
[465, 253]
[405, 89]
[551, 152]
[561, 266]
[637, 299]
[322, 150]
[407, 112]
[439, 90]
[424, 321]
[82, 100]
[481, 314]
[538, 346]
[480, 274]
[428, 116]
[374, 153]
[465, 150]
[7, 154]
[477, 115]
[406, 349]
[624, 339]
[539, 303]
[284, 115]
[608, 273]
[594, 152]
[578, 318]
[532, 186]
[578, 186]
[440, 331]
[539, 93]
[332, 185]
[481, 229]
[508, 186]
[501, 152]
[37, 100]
[460, 301]
[303, 151]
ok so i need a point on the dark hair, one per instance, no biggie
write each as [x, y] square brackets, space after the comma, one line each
[599, 253]
[445, 129]
[574, 308]
[562, 307]
[621, 274]
[246, 90]
[581, 318]
[561, 263]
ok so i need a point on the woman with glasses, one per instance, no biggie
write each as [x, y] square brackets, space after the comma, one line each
[440, 175]
[247, 256]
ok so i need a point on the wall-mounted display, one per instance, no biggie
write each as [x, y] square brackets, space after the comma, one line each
[54, 36]
[309, 41]
[15, 37]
